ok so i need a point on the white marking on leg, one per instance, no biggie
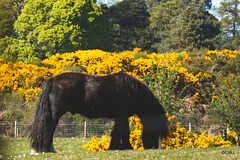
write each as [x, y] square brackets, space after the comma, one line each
[33, 152]
[160, 141]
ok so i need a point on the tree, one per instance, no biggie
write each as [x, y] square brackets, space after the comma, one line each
[230, 18]
[9, 12]
[193, 28]
[183, 25]
[160, 17]
[48, 27]
[9, 48]
[129, 21]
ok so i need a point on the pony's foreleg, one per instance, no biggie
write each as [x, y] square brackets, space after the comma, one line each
[151, 133]
[120, 135]
[53, 149]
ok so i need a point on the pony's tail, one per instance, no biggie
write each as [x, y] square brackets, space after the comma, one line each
[41, 129]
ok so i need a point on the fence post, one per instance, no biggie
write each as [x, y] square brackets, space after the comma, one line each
[15, 130]
[190, 127]
[85, 129]
[210, 130]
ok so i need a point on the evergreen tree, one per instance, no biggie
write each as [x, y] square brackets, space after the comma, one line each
[230, 18]
[193, 28]
[129, 21]
[160, 18]
[183, 25]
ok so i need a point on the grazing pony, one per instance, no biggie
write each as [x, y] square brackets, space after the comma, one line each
[117, 96]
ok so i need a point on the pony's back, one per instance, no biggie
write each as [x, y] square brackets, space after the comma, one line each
[117, 96]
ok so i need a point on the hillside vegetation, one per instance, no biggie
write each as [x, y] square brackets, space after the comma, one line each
[203, 83]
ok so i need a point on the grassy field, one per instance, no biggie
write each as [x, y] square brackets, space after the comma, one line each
[71, 148]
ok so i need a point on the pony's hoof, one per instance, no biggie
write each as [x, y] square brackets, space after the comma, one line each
[34, 152]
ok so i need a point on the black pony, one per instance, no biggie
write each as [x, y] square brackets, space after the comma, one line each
[117, 96]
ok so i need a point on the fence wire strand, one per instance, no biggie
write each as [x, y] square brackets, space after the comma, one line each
[92, 129]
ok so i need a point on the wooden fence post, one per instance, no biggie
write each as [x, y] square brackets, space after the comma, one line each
[85, 129]
[190, 127]
[15, 131]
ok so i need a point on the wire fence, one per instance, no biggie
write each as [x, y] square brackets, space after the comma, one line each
[18, 129]
[89, 129]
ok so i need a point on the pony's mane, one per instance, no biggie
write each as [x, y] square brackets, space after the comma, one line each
[145, 98]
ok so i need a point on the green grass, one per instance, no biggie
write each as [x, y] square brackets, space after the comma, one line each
[71, 148]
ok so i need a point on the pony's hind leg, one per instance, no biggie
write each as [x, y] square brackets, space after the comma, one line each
[43, 132]
[120, 135]
[150, 140]
[151, 132]
[43, 127]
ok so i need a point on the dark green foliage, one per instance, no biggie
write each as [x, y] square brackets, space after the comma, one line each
[232, 67]
[225, 107]
[9, 12]
[230, 20]
[183, 25]
[162, 83]
[13, 105]
[129, 22]
[9, 48]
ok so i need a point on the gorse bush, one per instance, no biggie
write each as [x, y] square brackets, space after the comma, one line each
[178, 138]
[163, 83]
[28, 78]
[225, 102]
[171, 76]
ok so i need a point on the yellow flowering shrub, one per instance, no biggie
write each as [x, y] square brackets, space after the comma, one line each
[27, 79]
[233, 137]
[228, 54]
[135, 137]
[96, 145]
[196, 98]
[97, 62]
[24, 78]
[178, 138]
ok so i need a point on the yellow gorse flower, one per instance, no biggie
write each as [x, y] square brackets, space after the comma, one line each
[95, 145]
[26, 79]
[178, 137]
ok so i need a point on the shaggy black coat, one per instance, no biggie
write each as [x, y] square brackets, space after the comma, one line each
[117, 96]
